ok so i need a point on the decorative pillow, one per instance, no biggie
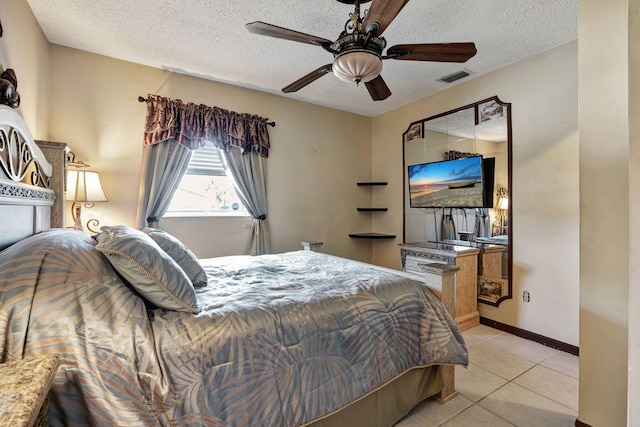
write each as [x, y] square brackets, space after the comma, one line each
[180, 254]
[149, 269]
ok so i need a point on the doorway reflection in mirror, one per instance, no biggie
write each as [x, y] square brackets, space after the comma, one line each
[500, 226]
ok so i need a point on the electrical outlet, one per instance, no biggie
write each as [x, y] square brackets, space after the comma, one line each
[526, 297]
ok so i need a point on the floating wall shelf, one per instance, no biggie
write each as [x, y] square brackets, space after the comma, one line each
[360, 184]
[372, 235]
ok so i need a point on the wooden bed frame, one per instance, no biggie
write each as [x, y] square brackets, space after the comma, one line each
[25, 198]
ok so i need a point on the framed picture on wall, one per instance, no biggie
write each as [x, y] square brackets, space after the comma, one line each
[415, 131]
[488, 111]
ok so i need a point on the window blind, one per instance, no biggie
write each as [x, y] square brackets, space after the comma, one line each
[206, 161]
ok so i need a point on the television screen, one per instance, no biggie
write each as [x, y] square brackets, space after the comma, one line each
[447, 184]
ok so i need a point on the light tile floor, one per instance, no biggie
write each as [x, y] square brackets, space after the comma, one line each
[510, 381]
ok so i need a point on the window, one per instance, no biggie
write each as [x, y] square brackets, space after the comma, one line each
[205, 188]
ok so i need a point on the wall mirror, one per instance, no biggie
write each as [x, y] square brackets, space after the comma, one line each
[457, 187]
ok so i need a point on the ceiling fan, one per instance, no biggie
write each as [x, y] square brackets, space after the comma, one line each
[358, 50]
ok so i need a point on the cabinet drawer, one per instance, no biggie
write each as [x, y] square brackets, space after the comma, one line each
[411, 263]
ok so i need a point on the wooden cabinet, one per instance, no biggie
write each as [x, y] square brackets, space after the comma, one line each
[492, 261]
[416, 256]
[370, 209]
[493, 282]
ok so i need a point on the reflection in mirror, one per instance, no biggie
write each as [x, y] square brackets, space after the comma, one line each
[469, 205]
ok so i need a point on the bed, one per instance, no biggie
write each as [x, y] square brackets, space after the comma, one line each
[149, 335]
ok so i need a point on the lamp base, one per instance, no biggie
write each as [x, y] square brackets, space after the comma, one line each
[76, 211]
[76, 214]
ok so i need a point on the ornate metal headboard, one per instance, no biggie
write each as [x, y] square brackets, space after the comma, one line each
[25, 174]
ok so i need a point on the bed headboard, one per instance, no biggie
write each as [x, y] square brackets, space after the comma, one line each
[25, 176]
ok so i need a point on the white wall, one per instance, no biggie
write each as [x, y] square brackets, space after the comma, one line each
[543, 92]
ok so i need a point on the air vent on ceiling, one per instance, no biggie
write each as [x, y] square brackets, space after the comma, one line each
[456, 76]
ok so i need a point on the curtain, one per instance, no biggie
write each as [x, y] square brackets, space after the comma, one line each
[482, 225]
[163, 166]
[448, 230]
[248, 176]
[181, 127]
[454, 155]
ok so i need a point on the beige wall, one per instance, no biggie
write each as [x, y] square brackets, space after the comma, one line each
[543, 93]
[318, 154]
[25, 49]
[633, 417]
[609, 188]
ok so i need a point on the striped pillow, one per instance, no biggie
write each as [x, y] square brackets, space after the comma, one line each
[180, 254]
[147, 268]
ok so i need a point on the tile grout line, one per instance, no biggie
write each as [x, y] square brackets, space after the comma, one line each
[477, 403]
[488, 410]
[534, 364]
[510, 381]
[545, 396]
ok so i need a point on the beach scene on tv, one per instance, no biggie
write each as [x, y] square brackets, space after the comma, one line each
[450, 183]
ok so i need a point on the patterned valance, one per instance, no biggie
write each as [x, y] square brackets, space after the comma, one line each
[192, 124]
[454, 155]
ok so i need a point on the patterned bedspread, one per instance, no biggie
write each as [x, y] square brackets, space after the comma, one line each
[281, 339]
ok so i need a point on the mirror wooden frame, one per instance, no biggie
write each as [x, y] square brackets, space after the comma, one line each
[416, 130]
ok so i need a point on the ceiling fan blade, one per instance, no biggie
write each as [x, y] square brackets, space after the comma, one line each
[264, 29]
[383, 12]
[309, 78]
[436, 52]
[378, 89]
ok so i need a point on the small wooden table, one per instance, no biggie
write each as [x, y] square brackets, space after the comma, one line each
[24, 386]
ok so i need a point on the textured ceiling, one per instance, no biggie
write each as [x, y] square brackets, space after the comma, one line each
[208, 39]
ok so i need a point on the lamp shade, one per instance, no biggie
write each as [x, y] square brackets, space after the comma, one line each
[84, 186]
[503, 203]
[357, 66]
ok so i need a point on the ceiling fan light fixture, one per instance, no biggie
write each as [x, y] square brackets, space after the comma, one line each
[357, 66]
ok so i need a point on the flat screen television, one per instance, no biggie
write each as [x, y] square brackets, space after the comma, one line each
[447, 184]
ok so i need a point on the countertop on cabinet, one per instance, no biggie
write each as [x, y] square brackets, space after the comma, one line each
[24, 386]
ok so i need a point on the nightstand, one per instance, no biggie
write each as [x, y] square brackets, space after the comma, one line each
[312, 246]
[24, 386]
